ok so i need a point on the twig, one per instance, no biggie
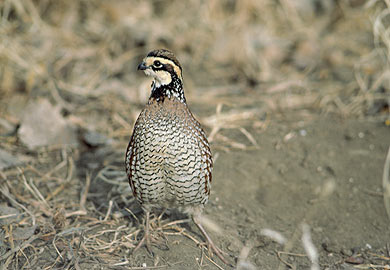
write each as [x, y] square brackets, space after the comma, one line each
[380, 256]
[219, 267]
[373, 193]
[56, 191]
[108, 211]
[7, 216]
[176, 222]
[18, 247]
[56, 260]
[83, 199]
[388, 249]
[249, 136]
[27, 259]
[10, 235]
[101, 176]
[243, 262]
[39, 194]
[75, 259]
[292, 254]
[231, 142]
[283, 261]
[370, 266]
[4, 190]
[33, 189]
[84, 195]
[132, 214]
[309, 247]
[142, 267]
[76, 213]
[56, 168]
[386, 183]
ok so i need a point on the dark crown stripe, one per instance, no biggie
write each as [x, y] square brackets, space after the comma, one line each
[166, 55]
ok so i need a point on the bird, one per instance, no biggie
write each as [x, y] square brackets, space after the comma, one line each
[168, 160]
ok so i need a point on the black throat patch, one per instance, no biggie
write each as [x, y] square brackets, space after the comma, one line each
[172, 90]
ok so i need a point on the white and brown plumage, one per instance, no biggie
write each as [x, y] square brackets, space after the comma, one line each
[168, 160]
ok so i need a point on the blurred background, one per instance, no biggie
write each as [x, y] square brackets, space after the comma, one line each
[70, 93]
[327, 55]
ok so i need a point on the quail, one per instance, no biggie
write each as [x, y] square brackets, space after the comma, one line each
[168, 159]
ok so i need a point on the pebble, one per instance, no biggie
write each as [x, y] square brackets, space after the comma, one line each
[94, 139]
[21, 233]
[346, 252]
[43, 125]
[354, 260]
[303, 132]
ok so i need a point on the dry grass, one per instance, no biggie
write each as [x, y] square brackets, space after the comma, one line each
[244, 58]
[386, 184]
[72, 233]
[298, 55]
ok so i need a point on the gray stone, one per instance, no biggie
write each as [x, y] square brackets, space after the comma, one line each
[95, 139]
[43, 125]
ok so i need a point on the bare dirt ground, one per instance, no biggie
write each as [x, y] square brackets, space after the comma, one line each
[328, 178]
[323, 171]
[294, 99]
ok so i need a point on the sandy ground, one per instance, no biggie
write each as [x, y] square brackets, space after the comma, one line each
[322, 171]
[298, 169]
[328, 178]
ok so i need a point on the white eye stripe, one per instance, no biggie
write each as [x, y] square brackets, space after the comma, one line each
[150, 62]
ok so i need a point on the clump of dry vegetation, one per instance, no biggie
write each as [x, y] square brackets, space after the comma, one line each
[330, 56]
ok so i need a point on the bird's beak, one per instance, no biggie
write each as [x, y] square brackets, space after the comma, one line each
[142, 66]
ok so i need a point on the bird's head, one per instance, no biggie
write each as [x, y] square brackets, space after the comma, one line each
[163, 66]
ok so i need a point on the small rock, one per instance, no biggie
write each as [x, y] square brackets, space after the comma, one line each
[94, 139]
[7, 160]
[346, 252]
[23, 233]
[232, 247]
[289, 136]
[354, 260]
[329, 247]
[117, 215]
[42, 125]
[303, 132]
[348, 137]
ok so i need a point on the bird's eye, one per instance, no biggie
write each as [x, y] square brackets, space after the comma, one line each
[157, 63]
